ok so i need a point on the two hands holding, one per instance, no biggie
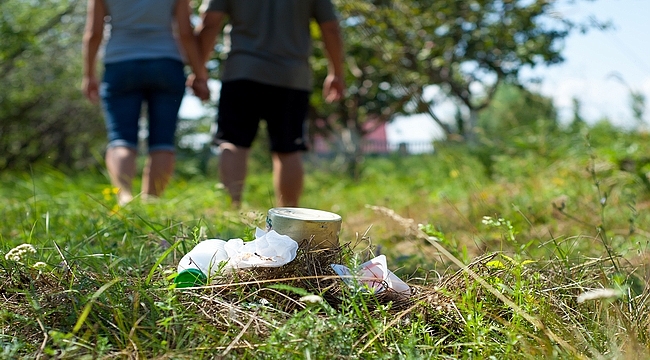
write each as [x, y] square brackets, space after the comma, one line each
[199, 86]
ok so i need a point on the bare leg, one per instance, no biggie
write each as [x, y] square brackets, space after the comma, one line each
[157, 172]
[120, 162]
[287, 178]
[232, 170]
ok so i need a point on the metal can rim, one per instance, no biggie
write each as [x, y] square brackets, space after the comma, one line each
[304, 214]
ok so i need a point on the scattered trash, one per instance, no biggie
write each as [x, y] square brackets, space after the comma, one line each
[211, 256]
[374, 275]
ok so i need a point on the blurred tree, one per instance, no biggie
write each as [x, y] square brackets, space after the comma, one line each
[44, 116]
[637, 101]
[515, 122]
[398, 48]
[516, 109]
[375, 95]
[577, 124]
[638, 105]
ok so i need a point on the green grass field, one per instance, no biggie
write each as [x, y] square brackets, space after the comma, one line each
[504, 262]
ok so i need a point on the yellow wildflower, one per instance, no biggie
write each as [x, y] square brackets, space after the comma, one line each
[109, 192]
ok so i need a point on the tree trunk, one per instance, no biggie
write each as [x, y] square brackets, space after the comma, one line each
[470, 127]
[351, 150]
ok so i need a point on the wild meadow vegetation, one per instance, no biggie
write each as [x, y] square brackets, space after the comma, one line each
[534, 248]
[520, 238]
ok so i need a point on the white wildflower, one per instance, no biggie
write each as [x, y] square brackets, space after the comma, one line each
[39, 265]
[16, 254]
[313, 299]
[599, 294]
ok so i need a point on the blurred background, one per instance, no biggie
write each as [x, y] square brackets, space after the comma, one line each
[418, 72]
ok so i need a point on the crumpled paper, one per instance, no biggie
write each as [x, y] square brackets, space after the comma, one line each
[374, 275]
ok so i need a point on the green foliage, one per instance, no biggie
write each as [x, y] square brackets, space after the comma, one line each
[540, 213]
[194, 149]
[517, 111]
[44, 116]
[396, 49]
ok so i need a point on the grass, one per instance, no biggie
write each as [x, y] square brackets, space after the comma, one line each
[497, 260]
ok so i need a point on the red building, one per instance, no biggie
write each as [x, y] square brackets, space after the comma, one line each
[374, 141]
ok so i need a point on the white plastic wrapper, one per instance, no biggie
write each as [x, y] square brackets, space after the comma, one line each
[374, 275]
[267, 250]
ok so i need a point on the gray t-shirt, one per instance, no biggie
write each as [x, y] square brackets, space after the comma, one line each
[271, 40]
[141, 29]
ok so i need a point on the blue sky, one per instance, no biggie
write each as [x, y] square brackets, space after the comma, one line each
[591, 59]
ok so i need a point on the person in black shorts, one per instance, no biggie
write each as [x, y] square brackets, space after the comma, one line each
[267, 76]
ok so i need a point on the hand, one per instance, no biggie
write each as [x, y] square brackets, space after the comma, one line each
[333, 88]
[199, 87]
[90, 88]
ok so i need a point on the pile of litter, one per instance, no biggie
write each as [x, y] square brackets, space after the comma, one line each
[259, 298]
[236, 285]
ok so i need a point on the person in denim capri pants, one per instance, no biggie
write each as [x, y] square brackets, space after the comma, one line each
[143, 64]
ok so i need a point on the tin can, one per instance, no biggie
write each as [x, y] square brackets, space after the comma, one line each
[321, 228]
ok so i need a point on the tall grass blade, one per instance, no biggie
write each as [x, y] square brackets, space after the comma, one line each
[89, 305]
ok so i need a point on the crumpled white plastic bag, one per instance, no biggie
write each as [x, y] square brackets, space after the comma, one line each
[374, 275]
[212, 256]
[269, 249]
